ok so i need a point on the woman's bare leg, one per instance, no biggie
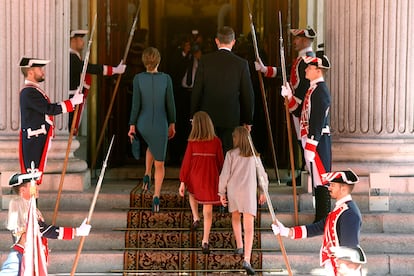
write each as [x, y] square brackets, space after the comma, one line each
[149, 160]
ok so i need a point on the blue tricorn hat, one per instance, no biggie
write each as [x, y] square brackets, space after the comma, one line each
[32, 62]
[308, 32]
[79, 33]
[320, 62]
[346, 177]
[21, 178]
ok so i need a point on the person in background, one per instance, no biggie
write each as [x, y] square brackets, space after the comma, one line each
[341, 228]
[183, 68]
[223, 88]
[238, 190]
[302, 43]
[314, 129]
[18, 219]
[37, 115]
[153, 117]
[200, 171]
[76, 65]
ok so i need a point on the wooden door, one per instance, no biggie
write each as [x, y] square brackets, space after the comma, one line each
[115, 19]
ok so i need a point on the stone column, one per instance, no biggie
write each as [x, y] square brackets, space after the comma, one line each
[36, 29]
[370, 45]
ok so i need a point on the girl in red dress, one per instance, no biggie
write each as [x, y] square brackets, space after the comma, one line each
[200, 170]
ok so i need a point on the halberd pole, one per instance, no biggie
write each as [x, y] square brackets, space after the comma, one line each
[271, 210]
[263, 93]
[92, 208]
[75, 116]
[288, 124]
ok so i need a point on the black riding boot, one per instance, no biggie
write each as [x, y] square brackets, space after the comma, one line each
[322, 203]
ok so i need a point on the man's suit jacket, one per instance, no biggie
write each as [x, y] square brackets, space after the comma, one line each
[223, 89]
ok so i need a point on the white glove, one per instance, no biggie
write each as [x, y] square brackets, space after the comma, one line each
[76, 99]
[286, 92]
[280, 229]
[120, 69]
[260, 66]
[83, 229]
[309, 155]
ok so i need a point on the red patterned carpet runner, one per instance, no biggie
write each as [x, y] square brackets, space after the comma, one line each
[164, 242]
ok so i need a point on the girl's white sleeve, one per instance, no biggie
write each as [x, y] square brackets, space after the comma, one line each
[225, 175]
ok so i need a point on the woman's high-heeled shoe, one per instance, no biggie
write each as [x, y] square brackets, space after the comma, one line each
[146, 183]
[156, 204]
[249, 269]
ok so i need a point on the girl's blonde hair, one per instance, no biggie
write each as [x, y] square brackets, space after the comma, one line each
[202, 127]
[241, 141]
[151, 57]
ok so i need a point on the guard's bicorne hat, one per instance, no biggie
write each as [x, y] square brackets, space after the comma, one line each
[308, 32]
[346, 177]
[352, 254]
[79, 33]
[32, 62]
[321, 62]
[21, 178]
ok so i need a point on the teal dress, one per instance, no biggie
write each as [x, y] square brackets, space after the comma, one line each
[153, 109]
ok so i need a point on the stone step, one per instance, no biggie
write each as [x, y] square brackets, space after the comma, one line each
[89, 261]
[308, 264]
[371, 243]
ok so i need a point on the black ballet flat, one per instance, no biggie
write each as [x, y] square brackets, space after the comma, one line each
[195, 225]
[238, 251]
[205, 248]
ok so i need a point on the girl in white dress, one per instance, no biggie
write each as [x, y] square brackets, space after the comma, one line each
[238, 190]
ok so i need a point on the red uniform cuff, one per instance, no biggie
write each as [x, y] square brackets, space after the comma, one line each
[67, 106]
[108, 71]
[311, 145]
[269, 72]
[299, 232]
[19, 248]
[66, 233]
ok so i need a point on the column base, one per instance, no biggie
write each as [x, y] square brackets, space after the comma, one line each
[364, 156]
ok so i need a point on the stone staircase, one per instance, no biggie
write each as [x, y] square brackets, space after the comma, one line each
[387, 237]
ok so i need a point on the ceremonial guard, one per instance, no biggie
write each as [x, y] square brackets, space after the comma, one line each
[36, 113]
[302, 43]
[17, 223]
[76, 64]
[314, 129]
[341, 228]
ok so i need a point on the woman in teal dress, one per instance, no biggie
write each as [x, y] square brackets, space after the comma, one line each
[153, 116]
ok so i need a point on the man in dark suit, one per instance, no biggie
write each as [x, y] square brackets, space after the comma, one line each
[223, 88]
